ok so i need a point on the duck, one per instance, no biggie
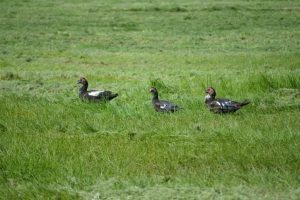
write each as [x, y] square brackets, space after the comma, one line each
[94, 95]
[162, 105]
[222, 105]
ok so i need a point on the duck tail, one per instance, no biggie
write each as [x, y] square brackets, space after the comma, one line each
[245, 102]
[113, 96]
[175, 108]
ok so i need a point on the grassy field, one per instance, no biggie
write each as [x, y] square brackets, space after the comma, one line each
[54, 146]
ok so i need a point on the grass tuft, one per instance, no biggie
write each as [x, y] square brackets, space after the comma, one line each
[266, 82]
[10, 76]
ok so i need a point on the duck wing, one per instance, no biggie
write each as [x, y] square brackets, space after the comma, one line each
[224, 106]
[102, 94]
[166, 106]
[95, 93]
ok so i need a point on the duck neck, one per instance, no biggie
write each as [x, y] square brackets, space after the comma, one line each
[155, 97]
[83, 89]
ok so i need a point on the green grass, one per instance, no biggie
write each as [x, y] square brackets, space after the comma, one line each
[53, 146]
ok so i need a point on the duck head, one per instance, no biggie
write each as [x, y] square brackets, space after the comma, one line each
[153, 90]
[210, 94]
[82, 81]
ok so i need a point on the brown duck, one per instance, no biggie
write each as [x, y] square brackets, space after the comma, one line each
[222, 105]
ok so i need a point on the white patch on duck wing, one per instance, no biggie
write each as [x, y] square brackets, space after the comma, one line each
[163, 106]
[95, 93]
[219, 104]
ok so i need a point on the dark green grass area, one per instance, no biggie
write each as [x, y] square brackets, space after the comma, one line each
[54, 146]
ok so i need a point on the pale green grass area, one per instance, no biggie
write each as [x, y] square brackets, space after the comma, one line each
[54, 146]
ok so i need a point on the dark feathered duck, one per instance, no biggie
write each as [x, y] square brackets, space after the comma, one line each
[162, 105]
[221, 105]
[94, 95]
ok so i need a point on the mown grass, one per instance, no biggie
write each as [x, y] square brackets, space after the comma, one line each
[52, 145]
